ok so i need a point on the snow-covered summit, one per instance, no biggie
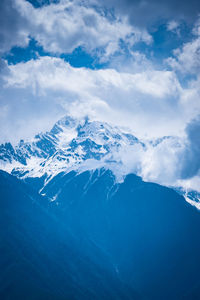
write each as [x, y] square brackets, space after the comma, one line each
[80, 145]
[70, 145]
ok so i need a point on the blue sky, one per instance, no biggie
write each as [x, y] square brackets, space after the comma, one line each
[134, 64]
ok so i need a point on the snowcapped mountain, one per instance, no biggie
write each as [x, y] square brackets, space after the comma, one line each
[81, 145]
[70, 145]
[105, 233]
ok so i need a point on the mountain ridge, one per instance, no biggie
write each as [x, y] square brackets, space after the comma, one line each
[81, 145]
[68, 144]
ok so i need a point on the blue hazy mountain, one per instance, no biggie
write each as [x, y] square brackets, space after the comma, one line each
[98, 240]
[70, 230]
[149, 232]
[42, 259]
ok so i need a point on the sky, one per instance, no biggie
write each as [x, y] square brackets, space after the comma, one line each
[132, 63]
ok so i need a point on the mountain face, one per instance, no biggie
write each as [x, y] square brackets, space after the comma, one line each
[97, 240]
[149, 232]
[70, 228]
[42, 259]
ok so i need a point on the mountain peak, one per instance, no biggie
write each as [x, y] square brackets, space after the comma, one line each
[67, 146]
[65, 122]
[80, 145]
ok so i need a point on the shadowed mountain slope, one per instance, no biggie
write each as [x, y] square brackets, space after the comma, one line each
[41, 259]
[149, 232]
[97, 240]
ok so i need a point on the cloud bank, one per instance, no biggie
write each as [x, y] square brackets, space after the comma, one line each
[147, 101]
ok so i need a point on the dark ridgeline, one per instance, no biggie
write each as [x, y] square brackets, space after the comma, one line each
[97, 240]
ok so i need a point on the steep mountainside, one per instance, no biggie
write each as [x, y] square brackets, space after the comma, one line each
[97, 240]
[42, 259]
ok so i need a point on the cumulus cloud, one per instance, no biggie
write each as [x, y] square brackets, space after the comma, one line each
[174, 26]
[64, 26]
[187, 58]
[56, 74]
[148, 102]
[136, 62]
[174, 161]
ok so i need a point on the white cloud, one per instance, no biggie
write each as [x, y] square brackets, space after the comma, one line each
[66, 25]
[172, 25]
[147, 101]
[187, 58]
[55, 74]
[136, 62]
